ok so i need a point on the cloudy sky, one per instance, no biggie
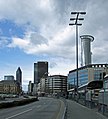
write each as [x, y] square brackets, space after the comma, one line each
[38, 30]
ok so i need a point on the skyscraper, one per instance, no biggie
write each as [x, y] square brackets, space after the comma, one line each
[40, 70]
[19, 76]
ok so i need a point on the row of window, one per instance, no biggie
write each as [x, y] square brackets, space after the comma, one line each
[83, 76]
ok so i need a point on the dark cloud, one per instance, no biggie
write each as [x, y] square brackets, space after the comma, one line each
[53, 64]
[37, 39]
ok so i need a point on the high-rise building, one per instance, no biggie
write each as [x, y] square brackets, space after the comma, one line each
[40, 70]
[30, 88]
[19, 76]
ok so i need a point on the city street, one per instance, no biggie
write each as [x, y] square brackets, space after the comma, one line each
[46, 108]
[49, 108]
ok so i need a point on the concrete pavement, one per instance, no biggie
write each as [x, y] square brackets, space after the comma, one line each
[77, 111]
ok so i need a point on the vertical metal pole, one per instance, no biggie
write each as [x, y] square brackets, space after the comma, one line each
[103, 106]
[74, 89]
[81, 53]
[76, 23]
[48, 85]
[52, 85]
[77, 56]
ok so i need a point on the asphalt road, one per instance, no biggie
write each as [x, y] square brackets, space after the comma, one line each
[45, 108]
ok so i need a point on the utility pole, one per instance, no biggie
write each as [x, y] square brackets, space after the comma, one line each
[76, 19]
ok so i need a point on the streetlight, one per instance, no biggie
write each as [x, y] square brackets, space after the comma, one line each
[77, 24]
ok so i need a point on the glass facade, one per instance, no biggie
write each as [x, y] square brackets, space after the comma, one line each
[87, 74]
[106, 84]
[40, 71]
[82, 78]
[19, 76]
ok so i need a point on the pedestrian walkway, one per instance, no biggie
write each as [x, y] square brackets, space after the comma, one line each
[77, 111]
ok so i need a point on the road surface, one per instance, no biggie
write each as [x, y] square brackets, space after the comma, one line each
[45, 108]
[77, 111]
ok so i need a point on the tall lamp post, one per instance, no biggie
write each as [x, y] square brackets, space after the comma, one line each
[76, 19]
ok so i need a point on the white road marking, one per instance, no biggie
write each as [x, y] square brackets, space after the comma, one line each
[18, 114]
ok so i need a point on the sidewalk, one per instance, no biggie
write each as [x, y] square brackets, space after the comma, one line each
[77, 111]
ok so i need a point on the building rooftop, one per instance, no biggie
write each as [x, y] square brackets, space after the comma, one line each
[9, 81]
[57, 76]
[90, 66]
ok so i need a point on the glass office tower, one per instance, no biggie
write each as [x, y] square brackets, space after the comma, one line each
[19, 76]
[40, 71]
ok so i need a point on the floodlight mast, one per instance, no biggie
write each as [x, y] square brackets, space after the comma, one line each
[77, 24]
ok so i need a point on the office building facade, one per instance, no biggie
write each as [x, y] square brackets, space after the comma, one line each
[9, 87]
[30, 88]
[56, 84]
[19, 76]
[40, 70]
[87, 74]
